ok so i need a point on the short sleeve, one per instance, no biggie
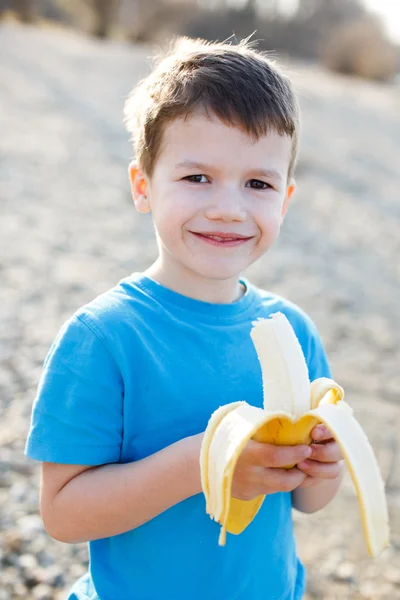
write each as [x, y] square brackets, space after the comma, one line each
[77, 415]
[317, 360]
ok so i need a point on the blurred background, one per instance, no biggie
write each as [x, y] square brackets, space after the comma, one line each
[349, 36]
[69, 231]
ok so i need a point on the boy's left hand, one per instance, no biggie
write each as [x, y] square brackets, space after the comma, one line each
[326, 460]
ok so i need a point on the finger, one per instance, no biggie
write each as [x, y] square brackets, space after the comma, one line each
[326, 453]
[310, 482]
[282, 480]
[270, 455]
[321, 470]
[320, 433]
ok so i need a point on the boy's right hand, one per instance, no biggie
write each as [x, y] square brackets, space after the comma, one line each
[259, 469]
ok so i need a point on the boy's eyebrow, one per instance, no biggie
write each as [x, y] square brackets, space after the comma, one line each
[191, 164]
[268, 173]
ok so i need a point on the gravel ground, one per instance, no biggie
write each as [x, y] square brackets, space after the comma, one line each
[68, 232]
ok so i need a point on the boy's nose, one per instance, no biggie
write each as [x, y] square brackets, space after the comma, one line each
[226, 207]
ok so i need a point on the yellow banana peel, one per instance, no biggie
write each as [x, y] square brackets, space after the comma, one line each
[292, 408]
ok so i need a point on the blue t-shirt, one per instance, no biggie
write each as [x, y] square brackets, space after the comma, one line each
[134, 371]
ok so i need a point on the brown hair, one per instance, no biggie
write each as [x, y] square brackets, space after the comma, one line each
[241, 86]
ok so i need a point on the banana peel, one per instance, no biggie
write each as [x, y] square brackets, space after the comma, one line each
[292, 408]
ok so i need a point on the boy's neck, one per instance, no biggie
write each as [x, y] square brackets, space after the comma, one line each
[191, 285]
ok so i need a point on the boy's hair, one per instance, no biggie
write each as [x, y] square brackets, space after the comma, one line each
[241, 86]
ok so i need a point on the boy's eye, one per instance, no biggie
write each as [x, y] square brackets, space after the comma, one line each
[256, 184]
[196, 178]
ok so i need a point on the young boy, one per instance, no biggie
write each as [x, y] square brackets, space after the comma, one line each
[133, 377]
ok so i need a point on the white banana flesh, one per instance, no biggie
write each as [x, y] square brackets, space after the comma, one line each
[292, 408]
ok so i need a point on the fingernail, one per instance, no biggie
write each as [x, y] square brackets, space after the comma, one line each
[308, 452]
[318, 433]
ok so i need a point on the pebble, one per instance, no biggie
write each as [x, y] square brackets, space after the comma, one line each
[345, 572]
[42, 592]
[13, 540]
[392, 575]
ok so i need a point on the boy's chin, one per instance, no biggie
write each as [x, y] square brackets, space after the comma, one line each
[220, 272]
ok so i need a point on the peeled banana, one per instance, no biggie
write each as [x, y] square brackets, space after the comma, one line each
[292, 408]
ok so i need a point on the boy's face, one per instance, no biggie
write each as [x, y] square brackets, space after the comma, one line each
[217, 197]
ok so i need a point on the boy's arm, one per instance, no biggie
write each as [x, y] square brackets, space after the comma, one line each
[80, 503]
[324, 470]
[86, 503]
[313, 498]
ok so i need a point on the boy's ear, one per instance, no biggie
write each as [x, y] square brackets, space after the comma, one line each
[139, 188]
[289, 192]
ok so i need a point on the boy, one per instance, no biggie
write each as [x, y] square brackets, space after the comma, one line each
[133, 377]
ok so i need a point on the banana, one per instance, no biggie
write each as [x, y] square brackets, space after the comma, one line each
[292, 408]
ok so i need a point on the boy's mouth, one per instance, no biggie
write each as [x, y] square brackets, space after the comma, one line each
[220, 238]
